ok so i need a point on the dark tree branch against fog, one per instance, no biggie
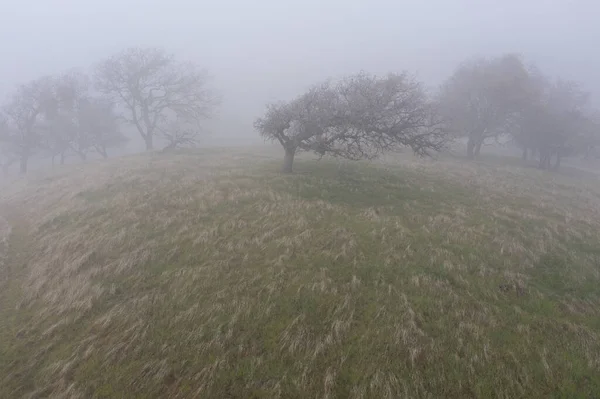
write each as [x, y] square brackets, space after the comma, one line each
[359, 117]
[180, 134]
[482, 98]
[153, 89]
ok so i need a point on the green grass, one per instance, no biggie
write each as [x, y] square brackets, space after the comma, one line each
[199, 275]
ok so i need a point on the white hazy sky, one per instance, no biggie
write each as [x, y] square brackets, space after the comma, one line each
[265, 50]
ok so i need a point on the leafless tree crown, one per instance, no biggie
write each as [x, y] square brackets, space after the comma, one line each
[358, 117]
[153, 89]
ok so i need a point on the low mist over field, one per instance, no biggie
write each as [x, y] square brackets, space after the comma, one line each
[285, 199]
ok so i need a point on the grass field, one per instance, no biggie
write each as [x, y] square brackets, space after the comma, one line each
[208, 274]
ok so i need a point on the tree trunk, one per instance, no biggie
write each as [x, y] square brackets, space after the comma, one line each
[524, 156]
[104, 153]
[471, 148]
[541, 164]
[557, 163]
[545, 156]
[474, 146]
[478, 147]
[149, 144]
[23, 164]
[62, 158]
[288, 160]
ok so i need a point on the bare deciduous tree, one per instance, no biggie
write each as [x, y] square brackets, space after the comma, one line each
[359, 117]
[482, 98]
[153, 90]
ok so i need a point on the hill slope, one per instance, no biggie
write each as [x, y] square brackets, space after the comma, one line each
[210, 275]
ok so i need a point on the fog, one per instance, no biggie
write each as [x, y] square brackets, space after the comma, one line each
[434, 233]
[267, 50]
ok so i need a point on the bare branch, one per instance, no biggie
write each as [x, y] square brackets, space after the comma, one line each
[180, 134]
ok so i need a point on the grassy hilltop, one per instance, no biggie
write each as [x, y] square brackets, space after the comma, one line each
[208, 274]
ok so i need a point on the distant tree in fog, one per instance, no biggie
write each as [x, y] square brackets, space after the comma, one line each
[153, 90]
[521, 128]
[23, 117]
[7, 157]
[482, 98]
[590, 134]
[558, 123]
[78, 122]
[62, 133]
[359, 117]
